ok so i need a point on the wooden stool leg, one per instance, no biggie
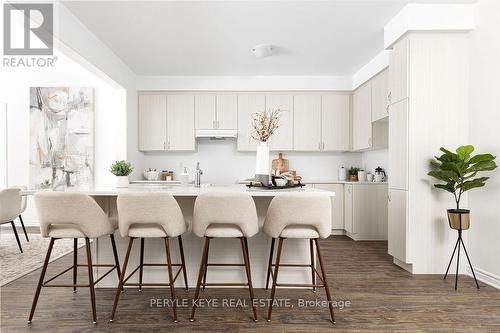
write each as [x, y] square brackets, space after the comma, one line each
[183, 262]
[122, 278]
[24, 229]
[313, 274]
[271, 252]
[246, 257]
[275, 277]
[201, 273]
[115, 255]
[141, 264]
[91, 279]
[171, 278]
[75, 262]
[40, 281]
[327, 288]
[206, 265]
[17, 236]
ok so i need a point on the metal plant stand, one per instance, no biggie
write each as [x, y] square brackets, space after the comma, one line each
[458, 244]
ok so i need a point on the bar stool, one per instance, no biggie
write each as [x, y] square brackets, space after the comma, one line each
[10, 209]
[150, 215]
[224, 215]
[72, 215]
[23, 208]
[310, 219]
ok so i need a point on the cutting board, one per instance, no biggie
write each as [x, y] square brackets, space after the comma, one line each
[280, 165]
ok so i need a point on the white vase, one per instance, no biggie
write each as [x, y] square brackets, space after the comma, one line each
[121, 181]
[262, 165]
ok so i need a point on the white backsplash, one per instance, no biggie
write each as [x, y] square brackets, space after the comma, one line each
[222, 163]
[375, 158]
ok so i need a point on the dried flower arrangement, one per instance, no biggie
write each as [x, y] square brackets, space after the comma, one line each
[265, 123]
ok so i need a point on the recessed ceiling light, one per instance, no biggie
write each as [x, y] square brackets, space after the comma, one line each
[262, 50]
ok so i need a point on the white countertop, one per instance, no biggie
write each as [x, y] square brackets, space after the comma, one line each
[328, 181]
[188, 191]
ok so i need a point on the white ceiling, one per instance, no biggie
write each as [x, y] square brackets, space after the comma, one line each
[214, 37]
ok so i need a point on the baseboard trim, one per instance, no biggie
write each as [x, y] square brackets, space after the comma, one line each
[486, 277]
[338, 232]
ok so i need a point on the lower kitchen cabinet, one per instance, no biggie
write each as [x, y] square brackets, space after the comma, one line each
[365, 211]
[397, 226]
[358, 209]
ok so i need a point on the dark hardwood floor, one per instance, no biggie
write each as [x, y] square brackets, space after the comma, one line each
[382, 298]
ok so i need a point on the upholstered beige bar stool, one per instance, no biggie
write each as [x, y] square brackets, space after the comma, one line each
[150, 215]
[224, 215]
[72, 215]
[24, 204]
[310, 219]
[11, 206]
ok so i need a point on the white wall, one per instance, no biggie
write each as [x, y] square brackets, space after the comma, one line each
[222, 163]
[109, 106]
[3, 144]
[484, 235]
[376, 158]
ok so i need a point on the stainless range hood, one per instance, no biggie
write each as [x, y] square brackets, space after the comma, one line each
[216, 133]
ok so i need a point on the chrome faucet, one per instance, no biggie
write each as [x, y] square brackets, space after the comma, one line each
[197, 175]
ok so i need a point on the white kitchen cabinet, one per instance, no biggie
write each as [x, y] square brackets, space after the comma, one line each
[307, 123]
[337, 204]
[380, 90]
[428, 79]
[398, 217]
[180, 122]
[247, 105]
[282, 139]
[205, 112]
[227, 112]
[348, 225]
[362, 117]
[152, 122]
[398, 145]
[398, 71]
[365, 211]
[335, 122]
[216, 112]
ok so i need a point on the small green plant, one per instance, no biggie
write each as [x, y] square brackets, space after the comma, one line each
[354, 171]
[121, 168]
[457, 170]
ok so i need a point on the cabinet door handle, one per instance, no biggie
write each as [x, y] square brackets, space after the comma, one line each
[389, 196]
[218, 124]
[323, 145]
[389, 97]
[164, 145]
[387, 108]
[369, 141]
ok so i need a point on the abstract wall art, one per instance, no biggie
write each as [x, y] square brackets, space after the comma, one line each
[61, 137]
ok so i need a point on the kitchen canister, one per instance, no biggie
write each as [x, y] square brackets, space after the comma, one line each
[342, 173]
[361, 176]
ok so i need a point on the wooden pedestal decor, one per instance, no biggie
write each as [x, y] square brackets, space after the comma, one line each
[459, 219]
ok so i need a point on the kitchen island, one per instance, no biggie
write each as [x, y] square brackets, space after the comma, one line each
[221, 250]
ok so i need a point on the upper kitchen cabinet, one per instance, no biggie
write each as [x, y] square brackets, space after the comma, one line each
[180, 122]
[380, 91]
[247, 105]
[152, 122]
[227, 112]
[335, 122]
[362, 117]
[216, 112]
[398, 72]
[283, 137]
[307, 123]
[205, 112]
[166, 122]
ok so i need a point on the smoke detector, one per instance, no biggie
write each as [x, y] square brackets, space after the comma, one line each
[262, 50]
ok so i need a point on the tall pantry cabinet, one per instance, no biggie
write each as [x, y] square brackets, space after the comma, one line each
[428, 109]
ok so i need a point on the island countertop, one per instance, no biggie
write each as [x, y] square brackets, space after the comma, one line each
[184, 191]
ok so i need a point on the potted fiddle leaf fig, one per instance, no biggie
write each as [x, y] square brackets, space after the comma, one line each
[457, 173]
